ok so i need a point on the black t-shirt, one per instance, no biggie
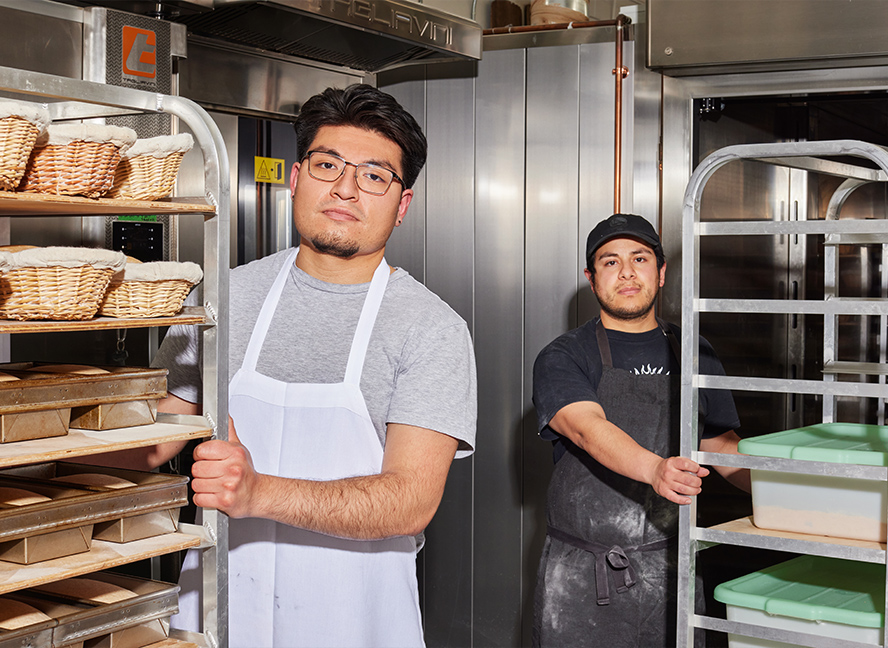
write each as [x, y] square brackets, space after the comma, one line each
[569, 368]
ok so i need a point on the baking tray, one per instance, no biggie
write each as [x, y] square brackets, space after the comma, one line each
[110, 416]
[140, 636]
[47, 546]
[36, 635]
[75, 505]
[44, 404]
[124, 624]
[42, 424]
[138, 527]
[41, 391]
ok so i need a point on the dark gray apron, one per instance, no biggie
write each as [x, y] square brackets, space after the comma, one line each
[607, 574]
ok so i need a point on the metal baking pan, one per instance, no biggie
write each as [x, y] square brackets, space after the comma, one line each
[47, 546]
[43, 404]
[138, 527]
[40, 391]
[121, 625]
[28, 637]
[41, 424]
[109, 416]
[74, 505]
[36, 635]
[140, 636]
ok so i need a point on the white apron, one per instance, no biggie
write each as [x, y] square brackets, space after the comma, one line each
[289, 587]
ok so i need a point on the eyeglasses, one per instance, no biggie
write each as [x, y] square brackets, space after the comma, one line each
[370, 178]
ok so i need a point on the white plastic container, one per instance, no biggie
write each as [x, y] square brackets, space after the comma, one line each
[821, 504]
[827, 597]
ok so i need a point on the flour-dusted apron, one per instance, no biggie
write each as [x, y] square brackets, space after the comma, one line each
[289, 587]
[607, 574]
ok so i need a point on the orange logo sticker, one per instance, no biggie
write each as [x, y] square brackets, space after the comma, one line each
[139, 53]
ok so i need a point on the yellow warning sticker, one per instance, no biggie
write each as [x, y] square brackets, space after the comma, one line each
[269, 170]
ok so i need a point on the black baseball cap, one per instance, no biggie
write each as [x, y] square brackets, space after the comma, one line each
[623, 226]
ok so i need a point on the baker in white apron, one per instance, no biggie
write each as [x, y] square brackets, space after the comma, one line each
[290, 587]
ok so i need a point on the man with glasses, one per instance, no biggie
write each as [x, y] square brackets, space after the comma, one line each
[352, 388]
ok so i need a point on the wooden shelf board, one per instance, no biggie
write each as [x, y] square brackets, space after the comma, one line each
[188, 638]
[172, 642]
[80, 443]
[102, 555]
[745, 525]
[188, 315]
[34, 204]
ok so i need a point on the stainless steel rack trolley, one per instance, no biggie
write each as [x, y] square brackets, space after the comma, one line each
[72, 99]
[826, 157]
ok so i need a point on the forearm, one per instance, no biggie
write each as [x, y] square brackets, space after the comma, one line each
[584, 423]
[366, 508]
[727, 444]
[400, 500]
[147, 458]
[606, 443]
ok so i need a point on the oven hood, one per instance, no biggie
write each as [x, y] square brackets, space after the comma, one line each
[364, 35]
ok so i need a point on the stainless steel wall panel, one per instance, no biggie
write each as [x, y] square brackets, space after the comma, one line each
[596, 158]
[222, 78]
[407, 246]
[42, 37]
[552, 190]
[551, 261]
[641, 122]
[450, 187]
[49, 230]
[500, 581]
[688, 35]
[450, 251]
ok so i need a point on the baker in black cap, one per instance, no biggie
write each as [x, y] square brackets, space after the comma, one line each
[607, 395]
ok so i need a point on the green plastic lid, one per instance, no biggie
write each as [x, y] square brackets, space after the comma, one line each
[852, 443]
[813, 588]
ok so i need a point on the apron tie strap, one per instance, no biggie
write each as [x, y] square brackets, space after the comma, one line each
[618, 561]
[608, 559]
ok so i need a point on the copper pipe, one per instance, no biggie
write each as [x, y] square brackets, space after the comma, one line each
[620, 72]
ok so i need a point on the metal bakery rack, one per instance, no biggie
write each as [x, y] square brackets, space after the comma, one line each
[72, 99]
[857, 163]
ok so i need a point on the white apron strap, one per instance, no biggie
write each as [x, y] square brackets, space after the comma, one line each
[362, 333]
[365, 324]
[257, 338]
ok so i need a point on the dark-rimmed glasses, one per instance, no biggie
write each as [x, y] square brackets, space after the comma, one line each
[370, 178]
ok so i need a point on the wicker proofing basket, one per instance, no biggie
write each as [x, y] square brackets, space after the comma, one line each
[145, 298]
[75, 169]
[54, 293]
[17, 137]
[148, 170]
[55, 283]
[145, 177]
[77, 161]
[154, 289]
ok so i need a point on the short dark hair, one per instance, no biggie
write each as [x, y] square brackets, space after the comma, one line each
[364, 106]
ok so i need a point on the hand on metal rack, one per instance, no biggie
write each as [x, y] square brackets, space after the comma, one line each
[678, 478]
[223, 475]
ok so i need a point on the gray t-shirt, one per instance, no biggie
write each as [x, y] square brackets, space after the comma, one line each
[420, 364]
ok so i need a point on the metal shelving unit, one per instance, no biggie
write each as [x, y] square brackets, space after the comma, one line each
[827, 157]
[72, 99]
